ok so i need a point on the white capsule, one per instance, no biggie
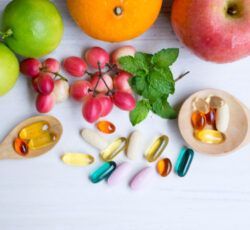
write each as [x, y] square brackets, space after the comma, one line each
[94, 139]
[222, 118]
[135, 145]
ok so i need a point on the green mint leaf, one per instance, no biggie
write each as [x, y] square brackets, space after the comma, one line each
[151, 93]
[162, 108]
[165, 57]
[138, 84]
[138, 65]
[128, 64]
[140, 112]
[162, 80]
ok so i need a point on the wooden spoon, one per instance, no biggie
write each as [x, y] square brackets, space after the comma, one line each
[237, 135]
[7, 150]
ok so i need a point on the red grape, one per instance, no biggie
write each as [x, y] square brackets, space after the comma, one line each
[92, 109]
[124, 100]
[107, 104]
[51, 65]
[30, 67]
[34, 84]
[121, 82]
[121, 52]
[101, 87]
[45, 83]
[79, 89]
[44, 103]
[75, 66]
[95, 55]
[61, 91]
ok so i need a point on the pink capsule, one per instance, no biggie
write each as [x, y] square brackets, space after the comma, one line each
[119, 174]
[141, 178]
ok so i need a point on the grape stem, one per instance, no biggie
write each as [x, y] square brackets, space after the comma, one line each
[6, 34]
[56, 74]
[182, 76]
[100, 78]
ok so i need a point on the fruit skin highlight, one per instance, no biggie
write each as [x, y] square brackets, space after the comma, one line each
[9, 69]
[37, 27]
[217, 31]
[113, 20]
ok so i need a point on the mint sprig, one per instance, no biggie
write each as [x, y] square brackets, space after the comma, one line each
[153, 81]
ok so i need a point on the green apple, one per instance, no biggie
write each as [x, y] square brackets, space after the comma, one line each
[9, 69]
[34, 28]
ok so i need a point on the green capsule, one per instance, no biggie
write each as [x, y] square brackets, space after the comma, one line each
[102, 172]
[184, 161]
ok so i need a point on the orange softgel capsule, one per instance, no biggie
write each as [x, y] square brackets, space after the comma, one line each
[106, 127]
[21, 147]
[198, 120]
[164, 167]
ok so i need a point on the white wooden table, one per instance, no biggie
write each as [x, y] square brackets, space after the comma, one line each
[43, 193]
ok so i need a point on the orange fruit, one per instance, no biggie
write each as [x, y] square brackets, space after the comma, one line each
[114, 20]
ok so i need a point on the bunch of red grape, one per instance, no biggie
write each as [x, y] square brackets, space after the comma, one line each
[50, 85]
[99, 91]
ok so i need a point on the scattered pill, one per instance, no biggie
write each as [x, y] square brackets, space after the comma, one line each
[164, 167]
[77, 159]
[106, 127]
[114, 149]
[119, 173]
[141, 178]
[156, 148]
[103, 172]
[95, 139]
[135, 145]
[184, 161]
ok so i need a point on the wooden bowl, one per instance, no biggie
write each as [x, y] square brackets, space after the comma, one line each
[237, 135]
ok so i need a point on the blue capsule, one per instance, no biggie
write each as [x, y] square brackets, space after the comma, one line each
[102, 172]
[184, 161]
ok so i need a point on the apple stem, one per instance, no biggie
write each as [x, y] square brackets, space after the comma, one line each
[6, 34]
[182, 76]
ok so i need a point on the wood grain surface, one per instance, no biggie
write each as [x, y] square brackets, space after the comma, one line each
[45, 194]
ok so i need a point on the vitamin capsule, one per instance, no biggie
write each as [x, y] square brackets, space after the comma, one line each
[222, 118]
[116, 147]
[198, 120]
[210, 117]
[164, 167]
[21, 147]
[215, 102]
[119, 174]
[34, 130]
[141, 178]
[135, 145]
[157, 148]
[106, 127]
[94, 139]
[42, 141]
[201, 105]
[103, 172]
[77, 159]
[209, 136]
[184, 161]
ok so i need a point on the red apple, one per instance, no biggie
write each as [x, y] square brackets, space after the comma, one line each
[217, 31]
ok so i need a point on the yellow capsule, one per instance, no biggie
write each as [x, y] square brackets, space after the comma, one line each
[77, 159]
[209, 136]
[156, 148]
[42, 141]
[34, 130]
[116, 147]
